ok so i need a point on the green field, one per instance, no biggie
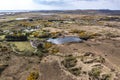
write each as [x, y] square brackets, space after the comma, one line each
[22, 46]
[2, 36]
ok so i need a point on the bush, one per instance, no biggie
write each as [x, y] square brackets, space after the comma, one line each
[44, 35]
[85, 35]
[55, 34]
[75, 71]
[95, 73]
[40, 53]
[111, 35]
[69, 62]
[106, 77]
[100, 59]
[53, 50]
[16, 38]
[3, 67]
[4, 48]
[47, 45]
[77, 31]
[33, 76]
[35, 34]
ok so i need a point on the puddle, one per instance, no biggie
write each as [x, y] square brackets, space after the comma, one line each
[20, 18]
[63, 40]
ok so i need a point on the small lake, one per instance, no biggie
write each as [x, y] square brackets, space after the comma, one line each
[20, 18]
[63, 40]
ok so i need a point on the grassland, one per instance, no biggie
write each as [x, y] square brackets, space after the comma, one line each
[22, 46]
[96, 58]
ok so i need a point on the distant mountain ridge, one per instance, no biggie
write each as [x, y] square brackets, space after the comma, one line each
[106, 12]
[3, 11]
[92, 12]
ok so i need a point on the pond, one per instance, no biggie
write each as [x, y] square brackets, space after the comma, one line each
[63, 40]
[20, 18]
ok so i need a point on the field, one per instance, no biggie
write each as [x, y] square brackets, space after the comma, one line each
[96, 57]
[22, 46]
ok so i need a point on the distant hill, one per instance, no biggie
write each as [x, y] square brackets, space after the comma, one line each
[92, 12]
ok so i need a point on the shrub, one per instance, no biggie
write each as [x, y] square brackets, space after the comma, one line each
[86, 35]
[110, 34]
[16, 38]
[88, 54]
[33, 76]
[47, 45]
[35, 34]
[69, 62]
[44, 35]
[95, 73]
[77, 31]
[55, 34]
[43, 48]
[41, 34]
[4, 48]
[100, 59]
[75, 71]
[40, 53]
[3, 67]
[53, 50]
[106, 77]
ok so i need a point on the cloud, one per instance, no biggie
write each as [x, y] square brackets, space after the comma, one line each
[81, 4]
[58, 4]
[22, 5]
[51, 2]
[16, 4]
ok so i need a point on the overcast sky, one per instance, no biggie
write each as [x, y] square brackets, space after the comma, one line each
[58, 4]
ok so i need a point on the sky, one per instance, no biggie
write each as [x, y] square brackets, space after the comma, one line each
[59, 4]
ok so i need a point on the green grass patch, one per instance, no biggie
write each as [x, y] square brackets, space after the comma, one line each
[22, 46]
[2, 36]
